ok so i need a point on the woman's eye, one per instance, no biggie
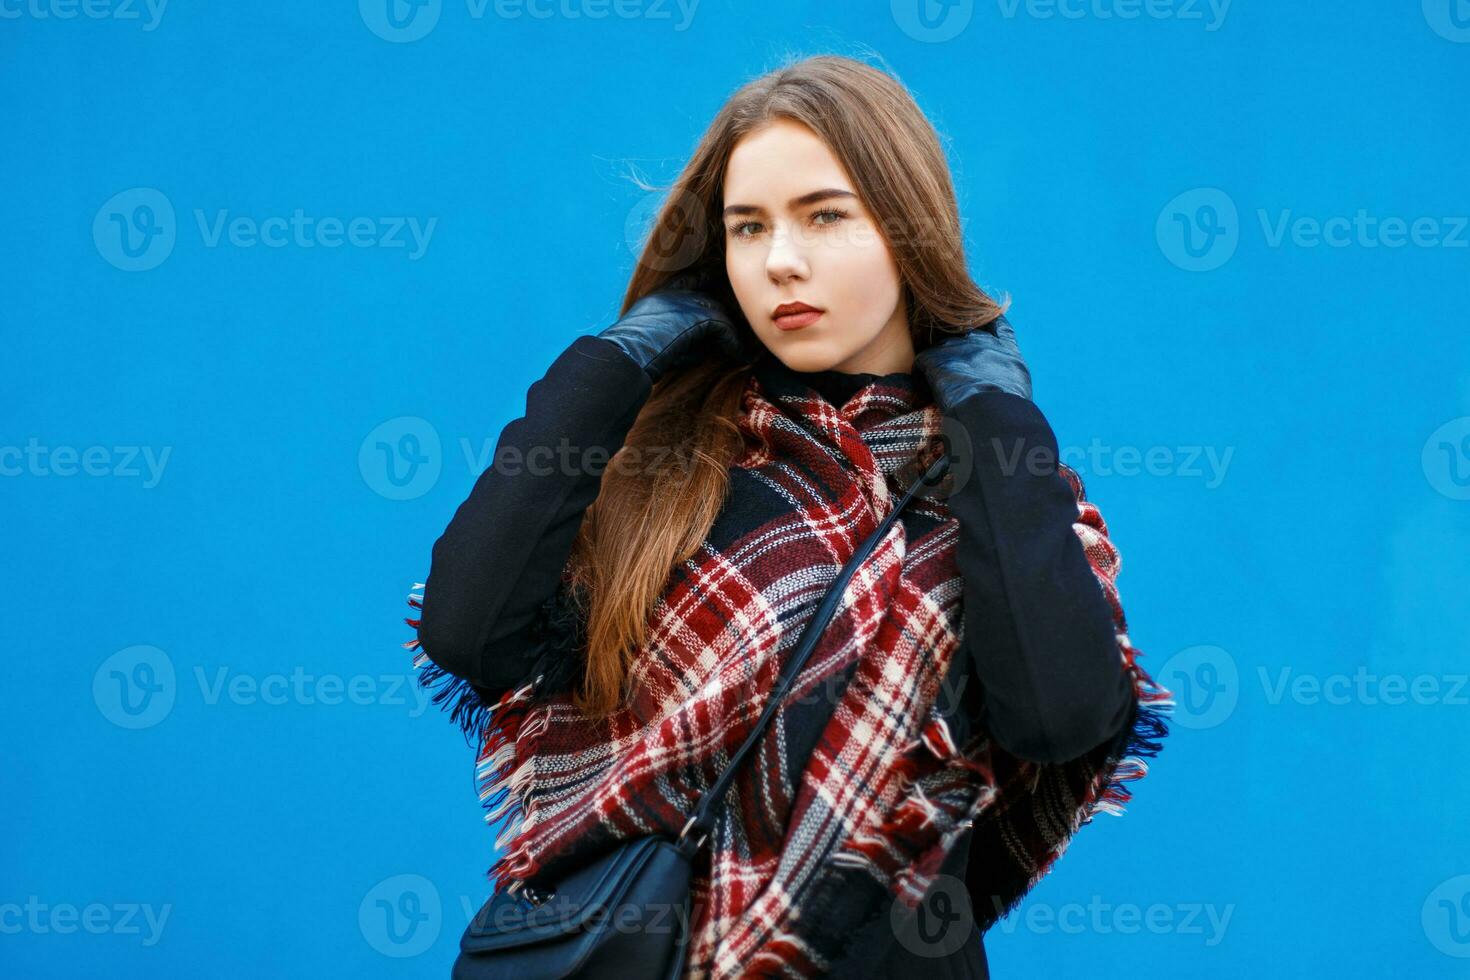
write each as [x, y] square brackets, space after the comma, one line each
[739, 230]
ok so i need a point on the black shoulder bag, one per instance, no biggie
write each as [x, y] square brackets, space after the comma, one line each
[626, 914]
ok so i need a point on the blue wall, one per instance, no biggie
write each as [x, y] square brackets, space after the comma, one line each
[1235, 238]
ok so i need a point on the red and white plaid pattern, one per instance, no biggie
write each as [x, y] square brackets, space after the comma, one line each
[858, 788]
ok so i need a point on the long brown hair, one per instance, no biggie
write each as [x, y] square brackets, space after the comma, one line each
[662, 492]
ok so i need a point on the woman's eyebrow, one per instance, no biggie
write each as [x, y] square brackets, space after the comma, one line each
[796, 202]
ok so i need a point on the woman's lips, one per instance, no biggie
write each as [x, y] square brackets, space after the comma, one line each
[795, 321]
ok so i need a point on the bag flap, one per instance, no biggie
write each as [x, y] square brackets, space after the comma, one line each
[586, 894]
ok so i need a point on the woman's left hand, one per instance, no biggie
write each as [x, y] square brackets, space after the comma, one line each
[965, 364]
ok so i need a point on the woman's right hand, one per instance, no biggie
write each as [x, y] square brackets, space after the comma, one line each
[674, 327]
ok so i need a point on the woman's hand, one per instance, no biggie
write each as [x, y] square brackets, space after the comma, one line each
[965, 364]
[674, 327]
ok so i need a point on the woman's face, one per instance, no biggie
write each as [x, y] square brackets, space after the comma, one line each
[796, 232]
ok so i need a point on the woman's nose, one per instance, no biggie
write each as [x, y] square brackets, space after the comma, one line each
[787, 256]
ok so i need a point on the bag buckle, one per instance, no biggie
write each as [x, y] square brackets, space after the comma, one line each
[536, 897]
[703, 837]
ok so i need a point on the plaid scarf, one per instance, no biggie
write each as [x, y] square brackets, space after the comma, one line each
[869, 773]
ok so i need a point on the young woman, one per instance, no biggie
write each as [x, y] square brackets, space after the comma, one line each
[609, 609]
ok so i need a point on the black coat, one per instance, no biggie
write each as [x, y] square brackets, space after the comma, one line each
[1049, 685]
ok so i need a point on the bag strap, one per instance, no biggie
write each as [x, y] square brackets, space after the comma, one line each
[701, 819]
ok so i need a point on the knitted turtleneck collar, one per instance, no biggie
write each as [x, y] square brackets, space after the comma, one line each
[836, 387]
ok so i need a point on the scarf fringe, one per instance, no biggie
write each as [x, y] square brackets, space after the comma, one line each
[496, 728]
[1146, 730]
[467, 709]
[916, 810]
[504, 785]
[512, 718]
[515, 725]
[1140, 740]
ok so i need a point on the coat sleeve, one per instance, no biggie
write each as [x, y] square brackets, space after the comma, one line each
[499, 563]
[1042, 620]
